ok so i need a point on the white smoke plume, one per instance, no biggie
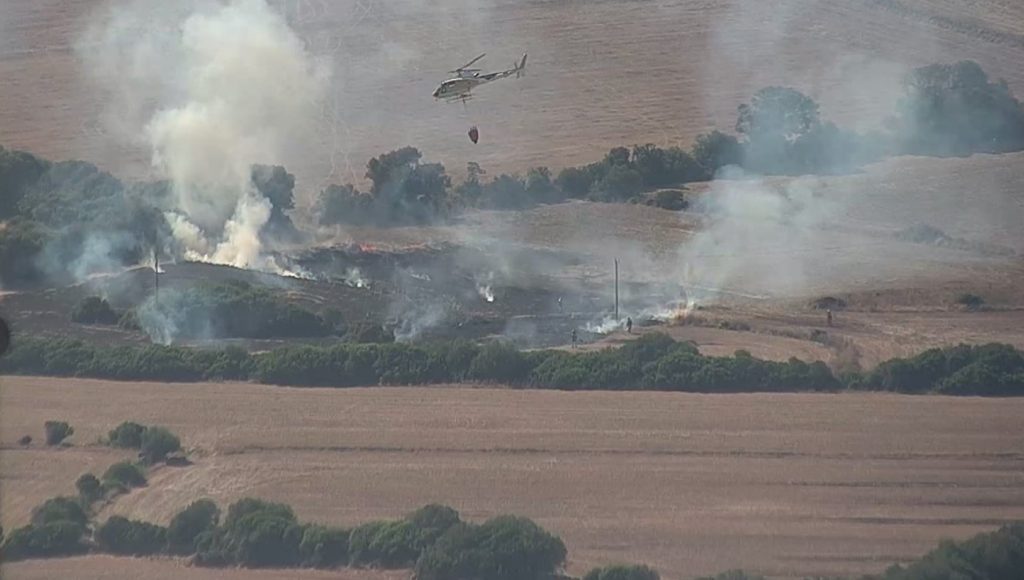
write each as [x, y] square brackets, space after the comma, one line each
[236, 87]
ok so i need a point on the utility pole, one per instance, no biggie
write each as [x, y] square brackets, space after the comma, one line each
[616, 289]
[156, 274]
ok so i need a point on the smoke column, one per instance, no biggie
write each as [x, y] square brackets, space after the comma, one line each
[236, 87]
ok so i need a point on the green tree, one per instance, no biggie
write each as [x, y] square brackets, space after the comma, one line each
[777, 114]
[125, 474]
[127, 435]
[385, 169]
[61, 538]
[122, 536]
[954, 109]
[94, 310]
[618, 184]
[200, 516]
[715, 150]
[57, 432]
[89, 488]
[503, 548]
[18, 171]
[59, 509]
[21, 246]
[157, 442]
[574, 182]
[622, 572]
[324, 547]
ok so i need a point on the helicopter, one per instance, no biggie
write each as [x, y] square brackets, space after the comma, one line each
[466, 79]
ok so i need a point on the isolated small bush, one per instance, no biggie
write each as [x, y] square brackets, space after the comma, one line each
[25, 440]
[970, 301]
[126, 474]
[57, 432]
[671, 199]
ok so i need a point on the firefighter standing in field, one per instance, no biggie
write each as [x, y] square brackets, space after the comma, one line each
[574, 337]
[629, 325]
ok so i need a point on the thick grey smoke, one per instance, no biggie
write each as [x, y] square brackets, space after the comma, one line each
[215, 88]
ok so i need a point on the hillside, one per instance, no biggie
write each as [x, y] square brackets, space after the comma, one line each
[601, 74]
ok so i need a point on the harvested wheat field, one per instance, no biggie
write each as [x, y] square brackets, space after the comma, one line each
[786, 485]
[601, 73]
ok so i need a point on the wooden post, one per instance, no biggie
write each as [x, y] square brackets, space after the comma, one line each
[156, 274]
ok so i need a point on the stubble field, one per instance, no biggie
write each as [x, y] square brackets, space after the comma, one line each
[786, 485]
[601, 74]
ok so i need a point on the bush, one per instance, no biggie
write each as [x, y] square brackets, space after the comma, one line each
[125, 474]
[324, 547]
[187, 525]
[121, 536]
[62, 538]
[503, 548]
[94, 310]
[227, 310]
[89, 489]
[157, 442]
[127, 435]
[255, 534]
[715, 150]
[970, 301]
[622, 572]
[734, 575]
[996, 555]
[671, 199]
[498, 362]
[59, 509]
[25, 440]
[57, 432]
[398, 544]
[956, 110]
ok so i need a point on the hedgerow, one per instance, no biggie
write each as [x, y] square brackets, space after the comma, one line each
[652, 362]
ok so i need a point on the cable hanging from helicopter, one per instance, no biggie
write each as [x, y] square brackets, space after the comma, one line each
[460, 87]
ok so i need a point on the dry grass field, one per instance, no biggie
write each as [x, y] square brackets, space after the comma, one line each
[788, 485]
[602, 73]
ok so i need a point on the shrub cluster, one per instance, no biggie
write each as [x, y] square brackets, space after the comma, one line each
[94, 310]
[622, 572]
[122, 536]
[652, 362]
[227, 310]
[124, 475]
[57, 432]
[57, 528]
[988, 370]
[153, 443]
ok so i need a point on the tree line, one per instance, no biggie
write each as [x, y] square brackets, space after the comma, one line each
[946, 109]
[652, 362]
[433, 541]
[64, 220]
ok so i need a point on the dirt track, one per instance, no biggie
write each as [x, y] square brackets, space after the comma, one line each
[787, 485]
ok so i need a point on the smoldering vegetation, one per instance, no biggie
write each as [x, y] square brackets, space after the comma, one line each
[216, 129]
